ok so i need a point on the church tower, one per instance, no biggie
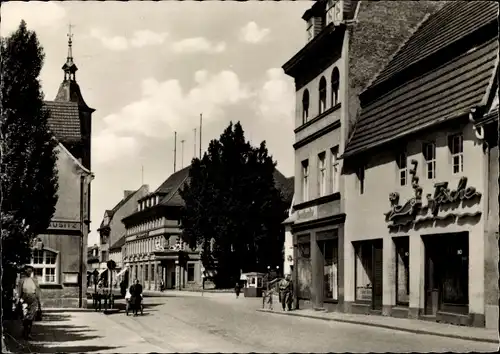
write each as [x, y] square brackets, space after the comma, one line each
[69, 91]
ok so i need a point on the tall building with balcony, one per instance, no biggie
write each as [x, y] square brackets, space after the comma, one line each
[347, 43]
[421, 176]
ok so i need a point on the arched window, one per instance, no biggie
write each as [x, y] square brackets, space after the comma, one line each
[322, 95]
[305, 107]
[45, 266]
[335, 86]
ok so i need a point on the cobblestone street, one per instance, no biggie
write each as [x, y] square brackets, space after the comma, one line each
[221, 323]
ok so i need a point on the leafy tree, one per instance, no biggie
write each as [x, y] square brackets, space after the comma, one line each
[233, 210]
[28, 171]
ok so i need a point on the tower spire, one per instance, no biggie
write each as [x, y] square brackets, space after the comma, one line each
[69, 67]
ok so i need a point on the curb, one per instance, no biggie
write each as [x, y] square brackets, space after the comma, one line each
[395, 328]
[55, 310]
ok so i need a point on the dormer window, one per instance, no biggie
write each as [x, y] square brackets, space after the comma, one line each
[310, 29]
[157, 199]
[322, 95]
[305, 107]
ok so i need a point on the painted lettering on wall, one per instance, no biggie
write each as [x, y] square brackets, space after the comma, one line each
[64, 225]
[442, 197]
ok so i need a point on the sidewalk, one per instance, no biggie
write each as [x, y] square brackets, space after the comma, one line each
[76, 332]
[399, 324]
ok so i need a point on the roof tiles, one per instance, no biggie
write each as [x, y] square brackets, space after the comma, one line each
[64, 120]
[436, 96]
[455, 20]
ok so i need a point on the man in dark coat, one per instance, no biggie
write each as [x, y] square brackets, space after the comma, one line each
[136, 296]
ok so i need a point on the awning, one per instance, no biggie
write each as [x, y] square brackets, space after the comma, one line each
[122, 272]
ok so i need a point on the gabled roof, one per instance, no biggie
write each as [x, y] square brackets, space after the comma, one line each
[64, 120]
[111, 213]
[118, 244]
[447, 92]
[454, 21]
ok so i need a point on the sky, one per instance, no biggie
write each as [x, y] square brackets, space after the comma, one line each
[151, 68]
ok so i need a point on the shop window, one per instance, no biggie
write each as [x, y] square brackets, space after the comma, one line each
[456, 146]
[329, 249]
[430, 160]
[305, 180]
[402, 270]
[364, 271]
[322, 95]
[335, 86]
[190, 271]
[45, 265]
[305, 107]
[403, 168]
[322, 174]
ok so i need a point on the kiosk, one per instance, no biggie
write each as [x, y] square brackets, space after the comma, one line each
[253, 284]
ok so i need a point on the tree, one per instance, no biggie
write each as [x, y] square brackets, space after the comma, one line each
[233, 210]
[28, 176]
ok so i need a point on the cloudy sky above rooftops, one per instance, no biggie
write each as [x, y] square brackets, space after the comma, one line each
[150, 68]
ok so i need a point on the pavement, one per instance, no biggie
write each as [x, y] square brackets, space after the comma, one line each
[178, 322]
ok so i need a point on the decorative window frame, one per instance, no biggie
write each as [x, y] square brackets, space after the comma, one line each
[335, 170]
[457, 157]
[305, 180]
[44, 266]
[322, 181]
[429, 151]
[402, 163]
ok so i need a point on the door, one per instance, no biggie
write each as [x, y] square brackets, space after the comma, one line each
[377, 275]
[432, 280]
[172, 280]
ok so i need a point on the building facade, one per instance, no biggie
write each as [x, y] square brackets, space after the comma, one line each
[420, 175]
[112, 230]
[154, 251]
[59, 259]
[328, 71]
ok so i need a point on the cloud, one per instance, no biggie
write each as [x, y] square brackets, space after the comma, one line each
[110, 146]
[277, 95]
[140, 38]
[164, 107]
[36, 15]
[251, 33]
[196, 45]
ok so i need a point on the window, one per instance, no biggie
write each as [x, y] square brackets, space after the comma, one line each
[190, 272]
[361, 179]
[335, 86]
[322, 95]
[335, 171]
[305, 180]
[146, 273]
[310, 29]
[152, 272]
[322, 174]
[329, 251]
[305, 107]
[456, 145]
[45, 266]
[430, 160]
[103, 256]
[403, 168]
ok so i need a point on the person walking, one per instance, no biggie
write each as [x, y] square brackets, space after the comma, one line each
[29, 299]
[136, 297]
[237, 289]
[286, 293]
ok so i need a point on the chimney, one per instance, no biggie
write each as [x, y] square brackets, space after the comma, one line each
[127, 193]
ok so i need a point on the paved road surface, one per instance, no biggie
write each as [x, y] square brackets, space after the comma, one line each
[225, 324]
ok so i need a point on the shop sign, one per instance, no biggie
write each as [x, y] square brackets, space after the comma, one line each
[442, 196]
[306, 213]
[64, 225]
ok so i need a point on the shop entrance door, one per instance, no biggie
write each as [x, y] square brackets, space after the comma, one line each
[377, 275]
[432, 278]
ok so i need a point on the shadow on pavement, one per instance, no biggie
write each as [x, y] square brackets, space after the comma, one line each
[50, 331]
